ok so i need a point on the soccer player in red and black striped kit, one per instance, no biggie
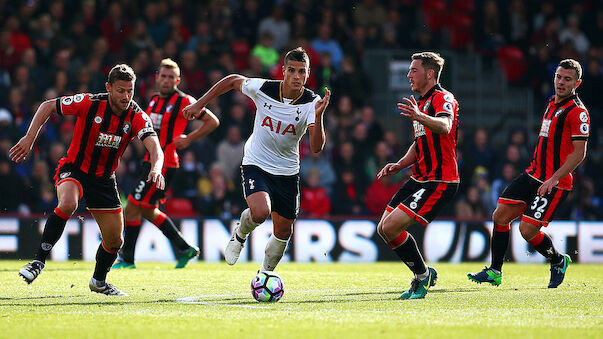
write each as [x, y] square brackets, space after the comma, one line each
[536, 193]
[106, 123]
[435, 175]
[165, 110]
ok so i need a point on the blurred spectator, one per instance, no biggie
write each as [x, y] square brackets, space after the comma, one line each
[248, 19]
[480, 153]
[587, 206]
[13, 192]
[471, 206]
[573, 34]
[380, 157]
[157, 27]
[369, 13]
[277, 26]
[325, 44]
[185, 183]
[217, 195]
[315, 202]
[379, 193]
[548, 35]
[230, 152]
[265, 51]
[318, 162]
[353, 82]
[346, 159]
[348, 194]
[506, 176]
[115, 27]
[326, 76]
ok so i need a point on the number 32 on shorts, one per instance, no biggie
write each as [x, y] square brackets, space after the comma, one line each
[539, 206]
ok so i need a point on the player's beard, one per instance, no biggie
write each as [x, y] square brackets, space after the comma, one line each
[118, 104]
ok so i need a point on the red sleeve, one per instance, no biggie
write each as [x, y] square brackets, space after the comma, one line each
[579, 124]
[143, 126]
[444, 105]
[78, 104]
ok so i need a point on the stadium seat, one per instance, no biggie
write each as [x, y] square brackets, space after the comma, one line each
[460, 26]
[430, 6]
[465, 6]
[436, 21]
[513, 62]
[241, 50]
[179, 207]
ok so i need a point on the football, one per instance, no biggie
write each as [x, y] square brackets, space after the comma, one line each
[267, 287]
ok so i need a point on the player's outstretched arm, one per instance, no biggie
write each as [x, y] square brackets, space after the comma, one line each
[210, 123]
[395, 167]
[152, 145]
[571, 162]
[317, 131]
[438, 125]
[233, 81]
[19, 151]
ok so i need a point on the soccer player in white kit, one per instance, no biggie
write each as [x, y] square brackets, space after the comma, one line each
[270, 169]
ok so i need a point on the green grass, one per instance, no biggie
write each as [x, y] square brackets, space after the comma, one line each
[320, 301]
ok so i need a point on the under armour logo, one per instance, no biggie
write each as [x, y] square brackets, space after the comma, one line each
[266, 105]
[298, 113]
[550, 251]
[251, 184]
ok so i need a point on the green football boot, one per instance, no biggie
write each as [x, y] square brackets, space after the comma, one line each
[186, 256]
[123, 264]
[486, 275]
[418, 288]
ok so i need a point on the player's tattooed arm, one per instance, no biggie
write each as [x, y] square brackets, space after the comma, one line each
[152, 145]
[20, 150]
[233, 81]
[438, 125]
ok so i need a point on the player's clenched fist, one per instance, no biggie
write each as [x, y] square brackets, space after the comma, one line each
[192, 111]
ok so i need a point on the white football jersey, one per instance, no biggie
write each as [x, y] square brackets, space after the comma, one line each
[278, 126]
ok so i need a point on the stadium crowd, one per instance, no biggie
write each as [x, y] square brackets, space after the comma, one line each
[54, 48]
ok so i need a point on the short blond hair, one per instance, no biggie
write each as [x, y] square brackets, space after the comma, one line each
[170, 64]
[572, 64]
[431, 60]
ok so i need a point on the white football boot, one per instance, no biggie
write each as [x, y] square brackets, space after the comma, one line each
[233, 248]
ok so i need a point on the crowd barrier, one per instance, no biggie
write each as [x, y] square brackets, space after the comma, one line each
[321, 240]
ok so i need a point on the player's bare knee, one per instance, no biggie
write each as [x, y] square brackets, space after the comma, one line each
[259, 215]
[283, 234]
[146, 213]
[67, 206]
[114, 243]
[528, 231]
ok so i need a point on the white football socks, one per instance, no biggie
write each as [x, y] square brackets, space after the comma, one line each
[246, 224]
[274, 252]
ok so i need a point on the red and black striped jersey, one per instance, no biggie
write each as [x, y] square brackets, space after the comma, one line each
[100, 136]
[562, 123]
[169, 122]
[436, 153]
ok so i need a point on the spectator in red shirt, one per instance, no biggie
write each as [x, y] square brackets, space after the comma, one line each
[315, 202]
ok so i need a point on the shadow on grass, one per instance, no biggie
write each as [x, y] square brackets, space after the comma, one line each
[88, 303]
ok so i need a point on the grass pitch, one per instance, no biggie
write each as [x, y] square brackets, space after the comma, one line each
[321, 301]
